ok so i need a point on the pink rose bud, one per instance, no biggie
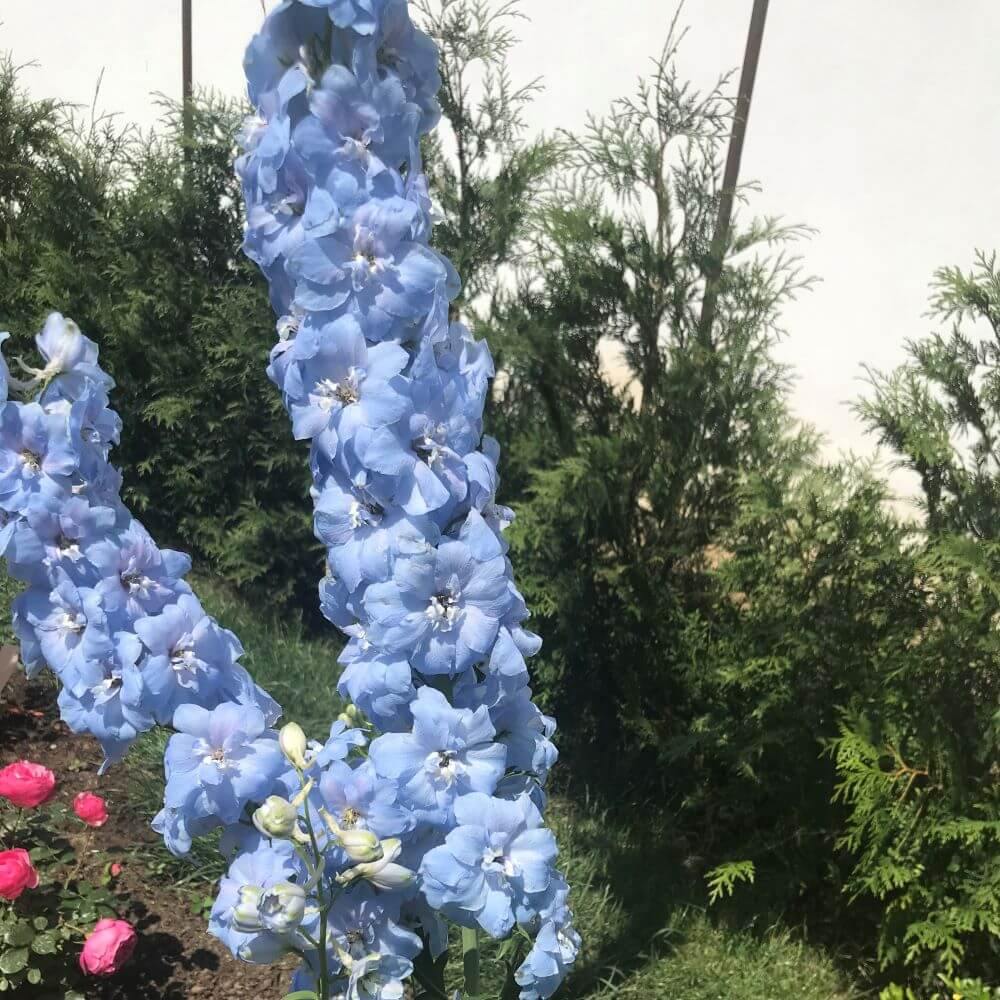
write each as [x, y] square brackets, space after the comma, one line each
[91, 809]
[27, 785]
[108, 947]
[17, 873]
[115, 869]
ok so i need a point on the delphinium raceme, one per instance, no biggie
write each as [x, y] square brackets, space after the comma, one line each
[429, 808]
[104, 608]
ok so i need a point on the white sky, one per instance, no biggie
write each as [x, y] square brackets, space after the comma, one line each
[875, 121]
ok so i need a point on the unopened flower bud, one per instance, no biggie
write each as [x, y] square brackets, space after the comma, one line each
[282, 907]
[383, 873]
[293, 744]
[277, 818]
[361, 846]
[246, 916]
[351, 717]
[389, 877]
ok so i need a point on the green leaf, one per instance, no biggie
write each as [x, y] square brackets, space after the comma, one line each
[20, 935]
[302, 995]
[40, 923]
[45, 944]
[34, 976]
[13, 961]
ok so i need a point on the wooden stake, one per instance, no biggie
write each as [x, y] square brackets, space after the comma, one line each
[731, 177]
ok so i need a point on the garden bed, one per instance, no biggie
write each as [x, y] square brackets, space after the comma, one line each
[176, 958]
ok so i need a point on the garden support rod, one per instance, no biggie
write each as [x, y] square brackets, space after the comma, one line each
[187, 69]
[730, 179]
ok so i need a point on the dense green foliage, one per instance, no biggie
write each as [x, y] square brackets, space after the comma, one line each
[137, 238]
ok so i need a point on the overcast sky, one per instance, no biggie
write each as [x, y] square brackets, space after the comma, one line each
[875, 122]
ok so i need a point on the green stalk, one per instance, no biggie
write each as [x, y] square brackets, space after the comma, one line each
[324, 911]
[470, 960]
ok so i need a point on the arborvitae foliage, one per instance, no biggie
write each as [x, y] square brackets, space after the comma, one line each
[919, 750]
[940, 412]
[629, 471]
[812, 585]
[139, 242]
[486, 176]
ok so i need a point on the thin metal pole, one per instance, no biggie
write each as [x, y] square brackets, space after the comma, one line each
[187, 70]
[731, 177]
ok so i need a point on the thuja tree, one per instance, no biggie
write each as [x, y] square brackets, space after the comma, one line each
[630, 426]
[919, 751]
[488, 178]
[180, 315]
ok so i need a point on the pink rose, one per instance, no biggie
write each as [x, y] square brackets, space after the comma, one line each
[91, 809]
[17, 873]
[27, 785]
[108, 947]
[115, 869]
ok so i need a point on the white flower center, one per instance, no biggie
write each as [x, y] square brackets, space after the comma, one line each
[365, 515]
[72, 622]
[288, 325]
[494, 860]
[182, 658]
[330, 394]
[443, 611]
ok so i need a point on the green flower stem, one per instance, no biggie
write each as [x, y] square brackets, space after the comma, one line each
[80, 858]
[470, 960]
[324, 969]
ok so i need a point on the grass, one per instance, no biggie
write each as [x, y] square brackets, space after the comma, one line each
[641, 914]
[695, 960]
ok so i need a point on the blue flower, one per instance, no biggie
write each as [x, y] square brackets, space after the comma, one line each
[360, 119]
[362, 922]
[360, 15]
[363, 540]
[391, 395]
[37, 455]
[190, 659]
[359, 798]
[381, 686]
[373, 264]
[236, 918]
[497, 853]
[277, 58]
[449, 753]
[60, 628]
[544, 969]
[136, 577]
[71, 360]
[340, 743]
[520, 726]
[106, 701]
[378, 977]
[338, 383]
[58, 536]
[444, 609]
[219, 761]
[179, 830]
[335, 601]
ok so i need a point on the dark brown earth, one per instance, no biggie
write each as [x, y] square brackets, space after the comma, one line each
[176, 957]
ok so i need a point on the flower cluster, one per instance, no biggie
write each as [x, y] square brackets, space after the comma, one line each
[105, 609]
[389, 390]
